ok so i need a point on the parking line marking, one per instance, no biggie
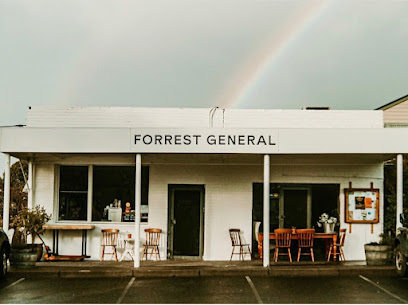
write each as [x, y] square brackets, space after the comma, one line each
[251, 284]
[15, 283]
[125, 290]
[383, 289]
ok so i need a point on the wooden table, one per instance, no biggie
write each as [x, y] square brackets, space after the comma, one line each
[326, 236]
[57, 228]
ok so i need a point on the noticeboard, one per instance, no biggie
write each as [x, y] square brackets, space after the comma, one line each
[362, 205]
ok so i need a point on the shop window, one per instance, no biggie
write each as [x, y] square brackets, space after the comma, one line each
[73, 193]
[114, 193]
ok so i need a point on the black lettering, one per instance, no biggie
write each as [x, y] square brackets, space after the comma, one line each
[211, 140]
[221, 139]
[158, 139]
[270, 141]
[177, 139]
[231, 140]
[196, 137]
[241, 140]
[137, 138]
[167, 139]
[149, 137]
[187, 139]
[251, 139]
[261, 140]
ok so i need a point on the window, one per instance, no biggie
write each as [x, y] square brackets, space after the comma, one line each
[73, 193]
[112, 187]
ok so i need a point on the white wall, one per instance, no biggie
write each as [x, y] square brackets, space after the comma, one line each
[228, 198]
[48, 116]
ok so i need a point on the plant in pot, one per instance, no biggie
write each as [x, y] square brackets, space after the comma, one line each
[328, 223]
[380, 253]
[29, 222]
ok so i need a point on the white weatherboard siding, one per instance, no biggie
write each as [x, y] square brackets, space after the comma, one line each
[275, 118]
[228, 197]
[39, 116]
[310, 147]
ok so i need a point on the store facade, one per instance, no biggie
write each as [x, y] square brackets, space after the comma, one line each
[196, 173]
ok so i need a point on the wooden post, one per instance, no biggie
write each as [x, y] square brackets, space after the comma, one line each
[266, 219]
[6, 202]
[400, 188]
[138, 195]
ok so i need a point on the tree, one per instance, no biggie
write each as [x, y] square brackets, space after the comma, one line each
[18, 198]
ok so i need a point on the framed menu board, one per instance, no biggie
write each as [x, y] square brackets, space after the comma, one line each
[362, 205]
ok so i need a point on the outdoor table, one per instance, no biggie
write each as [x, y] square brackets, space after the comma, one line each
[129, 249]
[326, 236]
[57, 228]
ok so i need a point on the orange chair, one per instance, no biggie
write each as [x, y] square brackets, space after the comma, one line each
[339, 245]
[305, 240]
[152, 242]
[235, 235]
[283, 240]
[109, 239]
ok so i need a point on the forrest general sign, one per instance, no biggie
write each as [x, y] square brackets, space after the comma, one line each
[204, 141]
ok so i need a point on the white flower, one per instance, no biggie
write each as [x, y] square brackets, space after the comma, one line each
[324, 218]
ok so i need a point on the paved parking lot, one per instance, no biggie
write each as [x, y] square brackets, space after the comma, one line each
[243, 289]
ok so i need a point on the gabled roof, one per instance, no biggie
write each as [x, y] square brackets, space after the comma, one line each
[393, 103]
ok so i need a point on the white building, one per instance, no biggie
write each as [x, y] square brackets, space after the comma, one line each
[203, 171]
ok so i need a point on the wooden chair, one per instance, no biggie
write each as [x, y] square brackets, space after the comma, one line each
[305, 240]
[152, 242]
[283, 240]
[235, 235]
[339, 245]
[109, 239]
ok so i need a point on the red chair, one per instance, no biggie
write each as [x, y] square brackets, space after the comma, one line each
[235, 235]
[339, 245]
[305, 241]
[283, 240]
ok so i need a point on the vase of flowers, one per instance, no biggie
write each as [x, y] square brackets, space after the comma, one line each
[328, 223]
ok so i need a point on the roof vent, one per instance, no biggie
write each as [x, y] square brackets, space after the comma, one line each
[316, 108]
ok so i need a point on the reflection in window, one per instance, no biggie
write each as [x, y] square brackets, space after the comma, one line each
[73, 193]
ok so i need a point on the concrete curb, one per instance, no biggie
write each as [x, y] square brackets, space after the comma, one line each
[165, 272]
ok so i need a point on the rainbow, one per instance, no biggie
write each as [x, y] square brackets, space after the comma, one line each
[237, 93]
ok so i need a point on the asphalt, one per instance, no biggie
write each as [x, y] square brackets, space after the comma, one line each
[216, 289]
[185, 268]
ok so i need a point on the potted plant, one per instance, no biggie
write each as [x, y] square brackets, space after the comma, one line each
[328, 223]
[29, 222]
[380, 253]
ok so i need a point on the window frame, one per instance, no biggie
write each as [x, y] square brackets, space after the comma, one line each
[89, 194]
[57, 194]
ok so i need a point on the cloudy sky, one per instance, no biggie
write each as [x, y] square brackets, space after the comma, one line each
[226, 53]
